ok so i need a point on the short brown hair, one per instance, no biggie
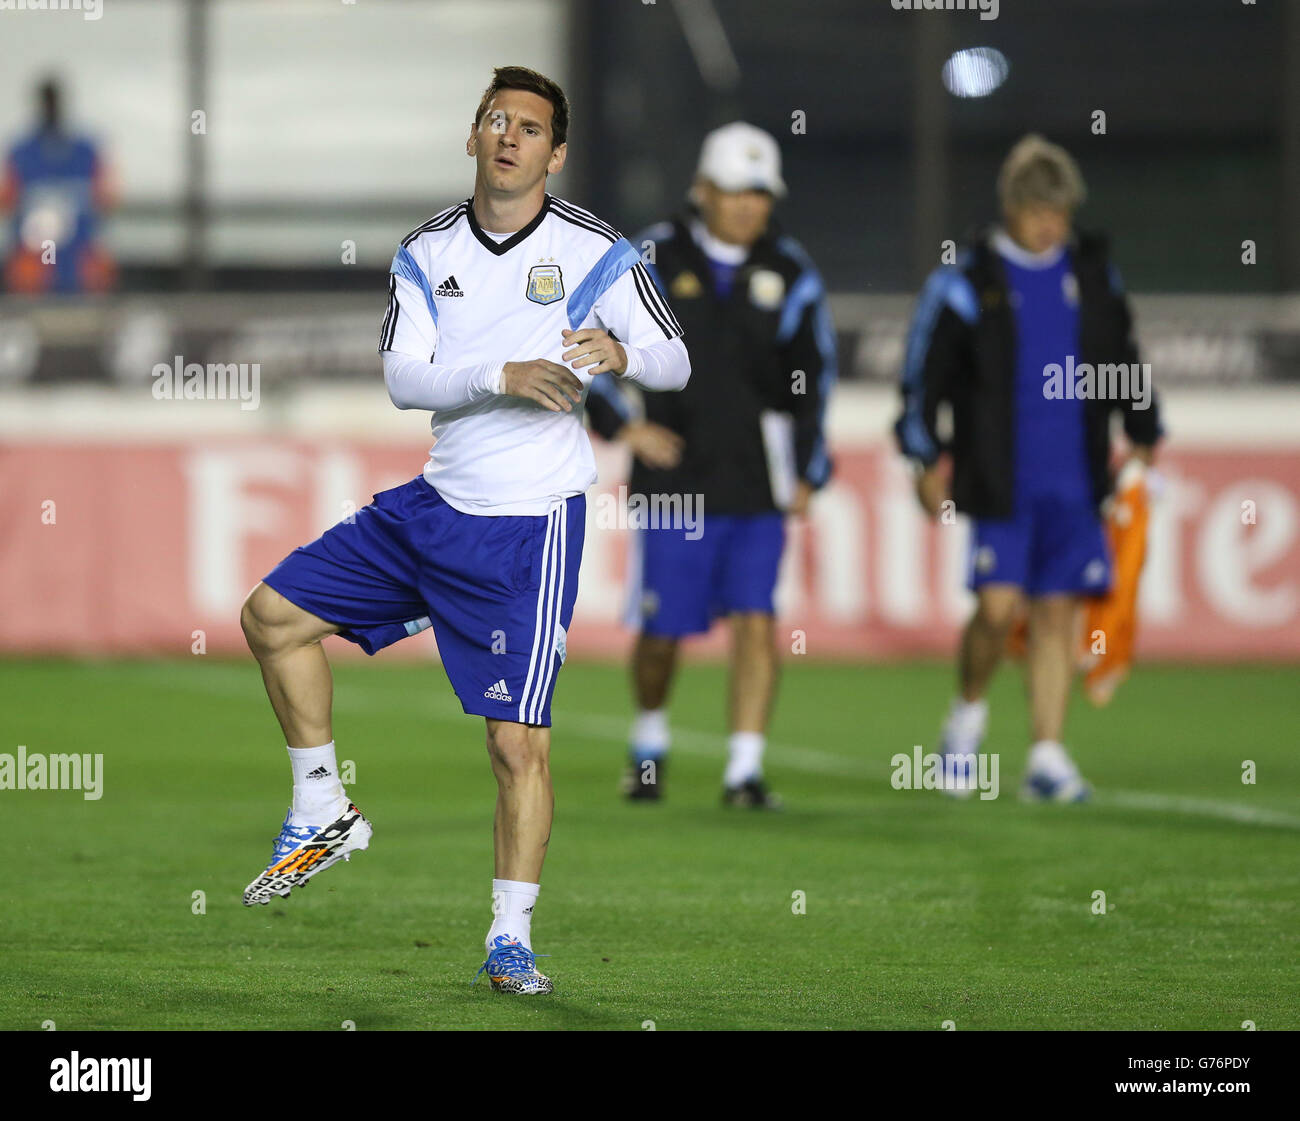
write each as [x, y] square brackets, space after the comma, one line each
[1036, 171]
[521, 78]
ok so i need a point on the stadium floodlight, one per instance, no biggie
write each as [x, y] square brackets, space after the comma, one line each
[975, 72]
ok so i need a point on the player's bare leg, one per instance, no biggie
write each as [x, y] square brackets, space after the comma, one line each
[285, 640]
[1049, 668]
[654, 664]
[1049, 671]
[983, 642]
[754, 670]
[322, 826]
[520, 756]
[521, 762]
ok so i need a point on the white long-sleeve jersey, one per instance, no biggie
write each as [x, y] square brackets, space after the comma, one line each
[463, 302]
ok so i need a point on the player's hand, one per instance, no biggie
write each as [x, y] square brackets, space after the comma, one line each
[593, 347]
[803, 493]
[547, 383]
[932, 489]
[653, 444]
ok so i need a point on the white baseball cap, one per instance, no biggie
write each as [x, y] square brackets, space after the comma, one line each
[741, 157]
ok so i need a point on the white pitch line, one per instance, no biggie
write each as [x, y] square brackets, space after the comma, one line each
[1198, 807]
[444, 709]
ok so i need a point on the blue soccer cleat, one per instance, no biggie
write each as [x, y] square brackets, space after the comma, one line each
[303, 850]
[1045, 786]
[512, 968]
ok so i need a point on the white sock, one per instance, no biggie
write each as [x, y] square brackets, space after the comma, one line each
[964, 728]
[318, 795]
[744, 758]
[1049, 757]
[512, 909]
[650, 737]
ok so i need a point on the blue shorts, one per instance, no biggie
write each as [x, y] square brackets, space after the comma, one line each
[498, 592]
[684, 585]
[1052, 546]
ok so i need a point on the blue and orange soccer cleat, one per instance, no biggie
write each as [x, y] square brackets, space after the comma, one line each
[303, 850]
[512, 968]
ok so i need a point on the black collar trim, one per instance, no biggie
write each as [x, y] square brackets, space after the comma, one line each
[500, 248]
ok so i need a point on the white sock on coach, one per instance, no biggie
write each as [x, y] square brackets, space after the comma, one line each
[512, 908]
[744, 758]
[1050, 758]
[650, 737]
[964, 728]
[318, 795]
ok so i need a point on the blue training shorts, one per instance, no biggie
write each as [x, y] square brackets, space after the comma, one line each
[685, 584]
[498, 591]
[1052, 546]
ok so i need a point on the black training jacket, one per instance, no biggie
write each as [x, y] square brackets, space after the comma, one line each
[961, 350]
[744, 354]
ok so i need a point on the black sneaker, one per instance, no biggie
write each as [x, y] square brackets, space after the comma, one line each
[644, 779]
[752, 794]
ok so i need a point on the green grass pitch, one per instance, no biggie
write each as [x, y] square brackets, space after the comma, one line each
[918, 909]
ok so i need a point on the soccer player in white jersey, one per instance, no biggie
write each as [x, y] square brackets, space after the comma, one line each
[501, 310]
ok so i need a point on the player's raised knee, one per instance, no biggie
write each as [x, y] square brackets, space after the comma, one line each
[271, 623]
[256, 617]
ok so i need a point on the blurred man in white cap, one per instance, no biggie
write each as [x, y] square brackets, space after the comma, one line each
[744, 440]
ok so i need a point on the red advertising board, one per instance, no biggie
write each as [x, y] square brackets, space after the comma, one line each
[151, 547]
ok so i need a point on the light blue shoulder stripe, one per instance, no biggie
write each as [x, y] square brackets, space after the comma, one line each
[959, 294]
[618, 258]
[945, 287]
[404, 266]
[806, 290]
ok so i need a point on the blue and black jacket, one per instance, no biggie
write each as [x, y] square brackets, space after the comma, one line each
[745, 350]
[961, 351]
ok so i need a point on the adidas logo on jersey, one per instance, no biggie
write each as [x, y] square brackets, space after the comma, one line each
[448, 287]
[499, 692]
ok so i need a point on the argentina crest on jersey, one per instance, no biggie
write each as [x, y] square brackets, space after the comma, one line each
[545, 284]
